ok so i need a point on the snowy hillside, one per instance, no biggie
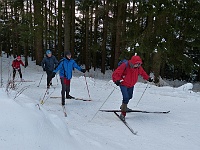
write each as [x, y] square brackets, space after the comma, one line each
[26, 124]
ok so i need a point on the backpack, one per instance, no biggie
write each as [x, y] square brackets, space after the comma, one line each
[123, 61]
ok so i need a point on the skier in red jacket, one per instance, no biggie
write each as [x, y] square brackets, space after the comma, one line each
[126, 76]
[16, 67]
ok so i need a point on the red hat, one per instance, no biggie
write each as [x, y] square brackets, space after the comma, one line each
[18, 57]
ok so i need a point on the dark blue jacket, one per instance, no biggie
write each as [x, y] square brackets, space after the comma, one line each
[49, 63]
[65, 67]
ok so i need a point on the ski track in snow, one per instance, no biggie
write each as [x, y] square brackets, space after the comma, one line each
[87, 128]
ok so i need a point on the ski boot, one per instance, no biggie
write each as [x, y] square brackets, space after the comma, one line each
[70, 97]
[123, 111]
[127, 109]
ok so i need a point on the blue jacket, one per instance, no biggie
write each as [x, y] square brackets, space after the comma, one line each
[49, 63]
[65, 67]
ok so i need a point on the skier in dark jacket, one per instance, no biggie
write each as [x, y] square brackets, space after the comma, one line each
[48, 64]
[65, 68]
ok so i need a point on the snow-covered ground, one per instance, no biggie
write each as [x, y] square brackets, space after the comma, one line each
[26, 124]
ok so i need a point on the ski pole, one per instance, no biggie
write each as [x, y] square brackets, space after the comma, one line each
[87, 87]
[103, 103]
[57, 79]
[40, 79]
[1, 71]
[142, 95]
[42, 100]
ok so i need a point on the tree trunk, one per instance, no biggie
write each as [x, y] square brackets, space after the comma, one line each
[94, 50]
[198, 75]
[67, 27]
[32, 49]
[87, 53]
[105, 24]
[55, 30]
[46, 26]
[26, 54]
[123, 28]
[156, 66]
[113, 33]
[73, 28]
[38, 30]
[60, 46]
[118, 33]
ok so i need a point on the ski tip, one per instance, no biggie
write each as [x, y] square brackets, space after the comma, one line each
[135, 133]
[166, 112]
[88, 100]
[81, 99]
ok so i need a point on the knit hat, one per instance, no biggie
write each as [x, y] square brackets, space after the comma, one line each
[66, 53]
[48, 52]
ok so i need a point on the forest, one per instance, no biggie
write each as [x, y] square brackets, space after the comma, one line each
[100, 33]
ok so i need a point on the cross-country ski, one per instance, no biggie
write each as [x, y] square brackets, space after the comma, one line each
[141, 111]
[24, 81]
[47, 95]
[126, 124]
[81, 99]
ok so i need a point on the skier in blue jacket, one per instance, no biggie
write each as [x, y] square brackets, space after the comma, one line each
[65, 67]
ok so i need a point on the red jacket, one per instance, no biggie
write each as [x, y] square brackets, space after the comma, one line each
[16, 64]
[129, 75]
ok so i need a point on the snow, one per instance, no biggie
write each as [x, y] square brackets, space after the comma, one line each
[26, 124]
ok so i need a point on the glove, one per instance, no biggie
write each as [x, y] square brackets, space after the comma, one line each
[83, 70]
[150, 79]
[53, 75]
[44, 69]
[117, 82]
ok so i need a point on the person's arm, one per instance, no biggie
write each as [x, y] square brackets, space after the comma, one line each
[43, 62]
[117, 74]
[143, 73]
[13, 64]
[76, 66]
[58, 67]
[21, 62]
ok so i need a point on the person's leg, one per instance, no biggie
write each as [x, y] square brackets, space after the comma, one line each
[123, 111]
[130, 95]
[20, 73]
[67, 82]
[67, 91]
[130, 92]
[14, 73]
[125, 94]
[63, 90]
[125, 101]
[49, 74]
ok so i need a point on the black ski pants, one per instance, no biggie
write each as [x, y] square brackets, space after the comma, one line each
[14, 73]
[49, 77]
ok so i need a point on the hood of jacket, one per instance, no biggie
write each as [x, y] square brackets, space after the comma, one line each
[136, 60]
